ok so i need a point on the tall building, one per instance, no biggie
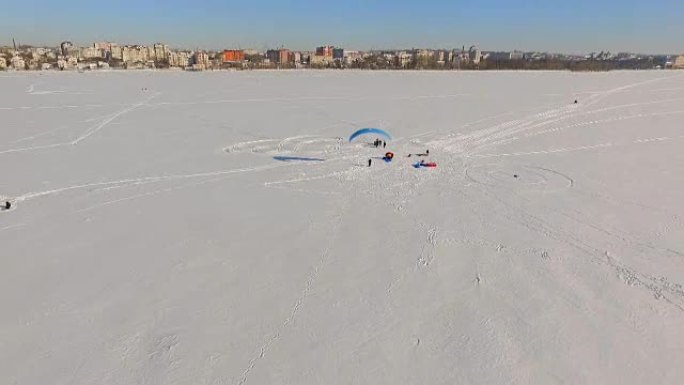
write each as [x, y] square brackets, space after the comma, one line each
[64, 46]
[442, 56]
[134, 54]
[161, 52]
[272, 55]
[116, 52]
[104, 45]
[475, 54]
[325, 51]
[233, 56]
[201, 59]
[68, 49]
[679, 62]
[516, 55]
[91, 53]
[180, 59]
[17, 63]
[279, 56]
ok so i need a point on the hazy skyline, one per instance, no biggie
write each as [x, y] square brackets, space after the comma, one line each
[575, 26]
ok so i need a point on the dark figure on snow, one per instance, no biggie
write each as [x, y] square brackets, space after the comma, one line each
[369, 162]
[575, 101]
[384, 144]
[7, 205]
[427, 152]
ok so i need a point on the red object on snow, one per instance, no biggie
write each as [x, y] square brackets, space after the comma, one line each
[429, 164]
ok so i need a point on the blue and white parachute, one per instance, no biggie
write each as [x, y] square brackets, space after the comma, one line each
[365, 131]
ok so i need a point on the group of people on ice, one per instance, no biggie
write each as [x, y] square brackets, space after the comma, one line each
[389, 156]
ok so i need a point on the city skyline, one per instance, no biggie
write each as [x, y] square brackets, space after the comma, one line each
[578, 27]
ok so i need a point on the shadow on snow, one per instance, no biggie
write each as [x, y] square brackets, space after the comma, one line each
[297, 158]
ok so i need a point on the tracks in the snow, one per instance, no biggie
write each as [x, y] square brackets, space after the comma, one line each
[312, 278]
[508, 208]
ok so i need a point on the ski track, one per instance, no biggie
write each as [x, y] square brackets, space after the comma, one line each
[34, 148]
[105, 122]
[660, 288]
[301, 299]
[502, 132]
[246, 100]
[133, 181]
[86, 134]
[38, 135]
[578, 148]
[155, 179]
[11, 227]
[151, 193]
[610, 120]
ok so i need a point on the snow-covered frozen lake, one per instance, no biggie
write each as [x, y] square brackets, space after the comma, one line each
[165, 229]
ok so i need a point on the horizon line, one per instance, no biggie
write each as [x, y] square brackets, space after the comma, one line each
[32, 45]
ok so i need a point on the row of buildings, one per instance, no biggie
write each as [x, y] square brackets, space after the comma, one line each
[113, 55]
[677, 63]
[330, 56]
[108, 55]
[101, 55]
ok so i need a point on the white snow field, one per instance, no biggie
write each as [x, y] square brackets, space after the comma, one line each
[164, 230]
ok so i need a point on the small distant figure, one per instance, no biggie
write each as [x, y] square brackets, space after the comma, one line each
[369, 162]
[575, 101]
[427, 152]
[384, 144]
[515, 175]
[7, 205]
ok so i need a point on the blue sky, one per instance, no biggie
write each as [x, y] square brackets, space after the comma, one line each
[560, 26]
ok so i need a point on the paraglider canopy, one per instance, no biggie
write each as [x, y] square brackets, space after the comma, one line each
[389, 155]
[365, 131]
